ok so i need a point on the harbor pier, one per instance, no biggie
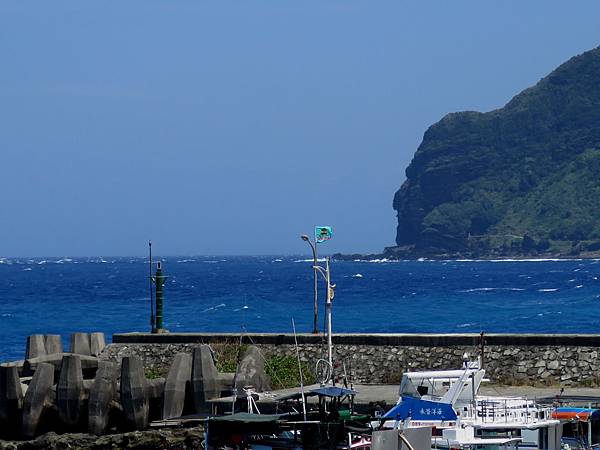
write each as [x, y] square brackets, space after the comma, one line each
[139, 378]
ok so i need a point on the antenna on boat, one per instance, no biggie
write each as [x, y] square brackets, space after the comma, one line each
[299, 371]
[152, 318]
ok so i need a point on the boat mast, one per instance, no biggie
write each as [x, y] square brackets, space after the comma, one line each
[299, 371]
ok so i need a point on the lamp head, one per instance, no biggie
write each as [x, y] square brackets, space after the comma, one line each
[304, 237]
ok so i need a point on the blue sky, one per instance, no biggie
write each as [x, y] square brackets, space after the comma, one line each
[233, 127]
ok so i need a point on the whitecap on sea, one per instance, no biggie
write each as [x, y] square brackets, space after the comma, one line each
[309, 260]
[241, 309]
[212, 308]
[488, 289]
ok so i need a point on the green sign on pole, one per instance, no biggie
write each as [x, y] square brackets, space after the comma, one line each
[323, 234]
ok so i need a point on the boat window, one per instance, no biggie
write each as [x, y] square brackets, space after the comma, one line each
[422, 390]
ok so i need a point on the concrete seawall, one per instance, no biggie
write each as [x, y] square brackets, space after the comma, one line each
[536, 359]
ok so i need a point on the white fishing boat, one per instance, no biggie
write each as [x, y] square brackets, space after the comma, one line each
[480, 421]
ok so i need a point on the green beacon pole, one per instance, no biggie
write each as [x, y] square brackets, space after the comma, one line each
[159, 282]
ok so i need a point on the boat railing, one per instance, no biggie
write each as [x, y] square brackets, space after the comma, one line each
[509, 411]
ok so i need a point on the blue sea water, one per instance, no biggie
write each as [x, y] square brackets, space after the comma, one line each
[64, 295]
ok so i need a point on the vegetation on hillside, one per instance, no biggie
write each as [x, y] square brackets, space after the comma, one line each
[520, 180]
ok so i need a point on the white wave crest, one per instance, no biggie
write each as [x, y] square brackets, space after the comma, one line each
[310, 260]
[535, 260]
[241, 309]
[488, 289]
[212, 308]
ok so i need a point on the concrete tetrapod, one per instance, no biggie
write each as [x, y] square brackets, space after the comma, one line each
[35, 346]
[88, 363]
[205, 383]
[80, 344]
[11, 395]
[102, 392]
[36, 398]
[178, 379]
[69, 391]
[134, 397]
[155, 388]
[251, 372]
[53, 344]
[97, 343]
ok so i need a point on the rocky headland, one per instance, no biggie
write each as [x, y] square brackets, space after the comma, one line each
[519, 181]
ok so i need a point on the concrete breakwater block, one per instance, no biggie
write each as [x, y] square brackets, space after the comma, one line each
[69, 391]
[154, 391]
[18, 364]
[251, 372]
[155, 388]
[35, 346]
[134, 398]
[89, 364]
[205, 383]
[11, 395]
[226, 381]
[97, 343]
[102, 393]
[80, 344]
[53, 344]
[178, 380]
[36, 398]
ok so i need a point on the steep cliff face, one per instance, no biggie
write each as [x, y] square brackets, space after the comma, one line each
[522, 179]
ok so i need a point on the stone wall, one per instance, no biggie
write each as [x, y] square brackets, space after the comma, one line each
[568, 360]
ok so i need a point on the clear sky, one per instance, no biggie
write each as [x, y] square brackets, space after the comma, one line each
[233, 127]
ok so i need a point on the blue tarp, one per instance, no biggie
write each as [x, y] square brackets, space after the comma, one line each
[332, 391]
[418, 409]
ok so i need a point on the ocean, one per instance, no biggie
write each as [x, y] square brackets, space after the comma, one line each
[263, 293]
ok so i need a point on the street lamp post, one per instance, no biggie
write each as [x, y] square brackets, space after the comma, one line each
[326, 274]
[313, 247]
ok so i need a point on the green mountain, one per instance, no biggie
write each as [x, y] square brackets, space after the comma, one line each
[520, 180]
